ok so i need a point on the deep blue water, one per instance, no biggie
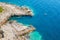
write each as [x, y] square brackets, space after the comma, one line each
[46, 18]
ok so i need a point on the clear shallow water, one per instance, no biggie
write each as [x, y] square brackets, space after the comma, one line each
[35, 36]
[46, 18]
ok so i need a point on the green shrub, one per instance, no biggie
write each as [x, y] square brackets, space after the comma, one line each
[1, 9]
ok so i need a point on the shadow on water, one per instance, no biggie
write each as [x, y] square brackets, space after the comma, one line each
[22, 16]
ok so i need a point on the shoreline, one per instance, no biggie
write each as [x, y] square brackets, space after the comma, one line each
[13, 29]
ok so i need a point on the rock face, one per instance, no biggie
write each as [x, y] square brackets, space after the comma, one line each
[12, 30]
[11, 10]
[13, 33]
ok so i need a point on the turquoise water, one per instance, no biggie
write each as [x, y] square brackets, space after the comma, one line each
[35, 36]
[46, 18]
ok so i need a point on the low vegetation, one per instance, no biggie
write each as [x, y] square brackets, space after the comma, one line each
[1, 9]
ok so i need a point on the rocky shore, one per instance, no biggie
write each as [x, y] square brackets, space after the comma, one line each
[13, 30]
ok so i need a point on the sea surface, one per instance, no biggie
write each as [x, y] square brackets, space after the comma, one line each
[46, 18]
